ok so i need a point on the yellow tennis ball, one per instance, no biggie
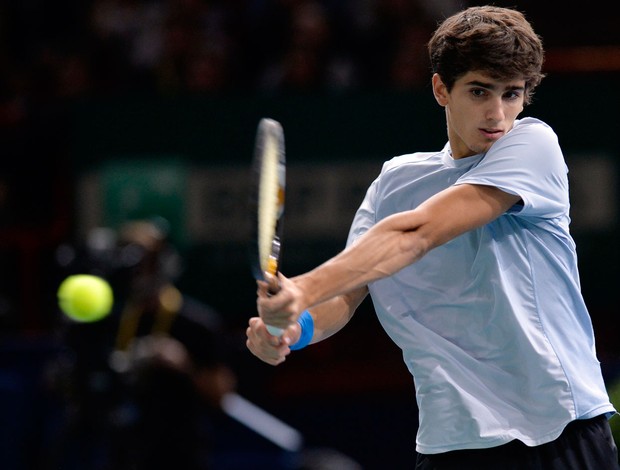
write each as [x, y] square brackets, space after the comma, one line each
[85, 298]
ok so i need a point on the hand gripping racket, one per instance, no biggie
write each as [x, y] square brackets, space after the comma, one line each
[267, 202]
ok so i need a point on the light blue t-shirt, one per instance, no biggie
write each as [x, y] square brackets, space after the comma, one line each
[492, 324]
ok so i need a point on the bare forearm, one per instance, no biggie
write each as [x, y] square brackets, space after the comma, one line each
[404, 238]
[384, 250]
[328, 318]
[392, 244]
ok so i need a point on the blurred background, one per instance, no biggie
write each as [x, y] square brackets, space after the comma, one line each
[117, 111]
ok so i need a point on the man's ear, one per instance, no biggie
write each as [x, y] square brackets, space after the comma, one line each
[440, 90]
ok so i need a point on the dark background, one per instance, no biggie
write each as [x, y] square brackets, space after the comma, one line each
[80, 90]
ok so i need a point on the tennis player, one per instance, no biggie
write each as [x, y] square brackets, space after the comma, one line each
[467, 255]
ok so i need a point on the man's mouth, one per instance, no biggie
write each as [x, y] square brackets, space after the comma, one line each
[492, 134]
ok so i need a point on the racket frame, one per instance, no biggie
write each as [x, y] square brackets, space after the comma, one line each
[265, 254]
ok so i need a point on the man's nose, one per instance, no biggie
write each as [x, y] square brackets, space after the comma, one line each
[495, 110]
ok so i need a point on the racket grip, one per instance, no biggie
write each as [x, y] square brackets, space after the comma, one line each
[274, 330]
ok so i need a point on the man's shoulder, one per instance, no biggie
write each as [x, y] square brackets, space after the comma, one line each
[412, 158]
[533, 125]
[528, 133]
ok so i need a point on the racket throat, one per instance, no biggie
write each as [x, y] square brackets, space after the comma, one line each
[274, 256]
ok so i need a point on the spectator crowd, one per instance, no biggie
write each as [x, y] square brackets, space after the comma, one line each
[80, 47]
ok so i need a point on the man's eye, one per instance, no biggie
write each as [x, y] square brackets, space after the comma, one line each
[477, 92]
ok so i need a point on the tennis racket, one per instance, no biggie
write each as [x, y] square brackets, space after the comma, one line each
[267, 203]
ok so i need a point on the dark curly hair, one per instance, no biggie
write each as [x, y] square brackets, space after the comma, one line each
[497, 41]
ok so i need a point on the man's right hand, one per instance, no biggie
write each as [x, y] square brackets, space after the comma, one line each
[269, 348]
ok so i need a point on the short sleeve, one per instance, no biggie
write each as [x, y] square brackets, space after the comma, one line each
[365, 216]
[527, 162]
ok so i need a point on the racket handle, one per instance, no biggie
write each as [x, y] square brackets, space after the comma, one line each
[274, 330]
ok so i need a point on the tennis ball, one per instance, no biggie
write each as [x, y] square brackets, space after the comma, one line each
[85, 298]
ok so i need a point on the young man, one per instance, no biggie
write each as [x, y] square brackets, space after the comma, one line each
[467, 256]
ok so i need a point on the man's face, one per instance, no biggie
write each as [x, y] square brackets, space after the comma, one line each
[479, 110]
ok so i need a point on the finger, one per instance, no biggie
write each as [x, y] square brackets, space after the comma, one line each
[291, 334]
[274, 341]
[269, 355]
[259, 329]
[256, 352]
[263, 345]
[262, 288]
[273, 284]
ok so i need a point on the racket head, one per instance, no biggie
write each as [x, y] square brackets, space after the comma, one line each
[267, 198]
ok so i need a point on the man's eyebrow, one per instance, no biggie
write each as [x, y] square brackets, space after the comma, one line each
[491, 86]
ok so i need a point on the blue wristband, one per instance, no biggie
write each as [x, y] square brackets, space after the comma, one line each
[306, 322]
